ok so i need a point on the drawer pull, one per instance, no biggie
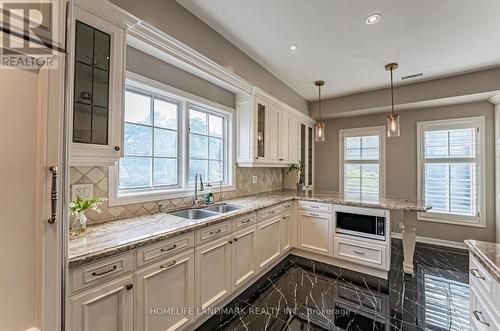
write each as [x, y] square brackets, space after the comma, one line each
[230, 242]
[170, 265]
[359, 253]
[314, 207]
[129, 286]
[285, 217]
[104, 272]
[235, 239]
[476, 274]
[168, 249]
[246, 221]
[479, 316]
[215, 232]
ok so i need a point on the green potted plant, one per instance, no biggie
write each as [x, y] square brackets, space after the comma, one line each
[299, 169]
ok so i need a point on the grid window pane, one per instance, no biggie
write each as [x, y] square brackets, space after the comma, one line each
[198, 146]
[165, 143]
[361, 148]
[216, 148]
[450, 143]
[135, 172]
[165, 114]
[216, 126]
[361, 178]
[197, 122]
[137, 140]
[215, 171]
[198, 166]
[165, 172]
[137, 108]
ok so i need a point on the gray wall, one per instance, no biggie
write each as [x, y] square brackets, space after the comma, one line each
[401, 162]
[151, 67]
[176, 21]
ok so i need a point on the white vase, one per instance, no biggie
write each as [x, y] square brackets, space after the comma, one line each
[81, 220]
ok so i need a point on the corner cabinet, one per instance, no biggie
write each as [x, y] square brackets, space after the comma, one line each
[268, 131]
[96, 66]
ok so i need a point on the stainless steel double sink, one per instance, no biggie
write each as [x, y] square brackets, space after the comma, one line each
[196, 214]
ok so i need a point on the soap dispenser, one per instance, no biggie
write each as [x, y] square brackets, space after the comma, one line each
[209, 196]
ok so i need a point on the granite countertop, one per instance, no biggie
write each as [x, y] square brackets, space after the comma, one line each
[488, 254]
[110, 238]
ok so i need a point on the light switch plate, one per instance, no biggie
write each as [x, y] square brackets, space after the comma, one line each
[254, 179]
[84, 191]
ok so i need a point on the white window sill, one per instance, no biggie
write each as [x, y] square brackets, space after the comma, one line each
[451, 219]
[123, 198]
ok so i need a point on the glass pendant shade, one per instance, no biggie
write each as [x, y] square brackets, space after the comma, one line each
[392, 125]
[320, 131]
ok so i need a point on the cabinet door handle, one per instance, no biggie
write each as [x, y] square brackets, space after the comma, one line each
[314, 207]
[359, 253]
[235, 239]
[53, 195]
[476, 274]
[128, 287]
[170, 265]
[246, 221]
[479, 316]
[104, 272]
[168, 249]
[117, 148]
[230, 242]
[215, 232]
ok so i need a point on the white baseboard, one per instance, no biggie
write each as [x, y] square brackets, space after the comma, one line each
[33, 329]
[433, 241]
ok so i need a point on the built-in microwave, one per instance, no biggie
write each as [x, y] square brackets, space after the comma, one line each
[360, 225]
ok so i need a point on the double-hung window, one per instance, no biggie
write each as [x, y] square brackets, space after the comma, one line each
[169, 136]
[362, 162]
[451, 167]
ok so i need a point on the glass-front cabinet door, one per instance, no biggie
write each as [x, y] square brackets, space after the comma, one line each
[261, 130]
[97, 70]
[307, 155]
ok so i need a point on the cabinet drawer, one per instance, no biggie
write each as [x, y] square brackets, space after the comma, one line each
[361, 252]
[101, 271]
[164, 248]
[269, 212]
[287, 205]
[482, 280]
[245, 221]
[483, 315]
[211, 232]
[320, 207]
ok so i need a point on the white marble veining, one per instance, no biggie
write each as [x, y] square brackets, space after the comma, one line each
[114, 237]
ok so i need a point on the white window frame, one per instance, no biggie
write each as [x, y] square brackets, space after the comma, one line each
[140, 83]
[450, 124]
[366, 131]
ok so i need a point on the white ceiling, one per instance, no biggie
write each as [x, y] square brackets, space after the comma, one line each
[436, 37]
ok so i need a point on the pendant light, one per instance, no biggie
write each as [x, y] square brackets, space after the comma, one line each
[320, 126]
[392, 118]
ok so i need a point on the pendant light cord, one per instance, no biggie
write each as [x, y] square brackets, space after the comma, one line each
[319, 93]
[392, 94]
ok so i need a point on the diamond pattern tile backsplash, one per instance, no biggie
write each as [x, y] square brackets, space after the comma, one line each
[268, 179]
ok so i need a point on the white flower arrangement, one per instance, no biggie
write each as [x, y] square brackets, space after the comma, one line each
[80, 205]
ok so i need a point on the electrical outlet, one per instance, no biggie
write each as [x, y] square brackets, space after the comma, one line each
[254, 179]
[400, 224]
[84, 191]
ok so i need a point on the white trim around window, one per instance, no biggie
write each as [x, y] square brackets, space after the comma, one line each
[185, 100]
[477, 217]
[381, 160]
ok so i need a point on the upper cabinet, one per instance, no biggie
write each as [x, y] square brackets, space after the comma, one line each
[268, 132]
[96, 67]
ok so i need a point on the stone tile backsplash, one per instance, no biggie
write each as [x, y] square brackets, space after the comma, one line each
[268, 179]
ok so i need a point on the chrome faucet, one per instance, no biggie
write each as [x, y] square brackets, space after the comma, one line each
[196, 201]
[221, 196]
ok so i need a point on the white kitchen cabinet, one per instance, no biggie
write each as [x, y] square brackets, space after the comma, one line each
[244, 256]
[315, 232]
[96, 67]
[168, 284]
[286, 232]
[109, 307]
[268, 131]
[213, 272]
[269, 239]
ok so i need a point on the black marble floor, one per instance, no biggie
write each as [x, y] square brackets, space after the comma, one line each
[301, 294]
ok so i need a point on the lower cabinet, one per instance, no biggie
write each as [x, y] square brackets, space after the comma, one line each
[315, 232]
[109, 307]
[286, 232]
[165, 294]
[213, 272]
[244, 256]
[269, 241]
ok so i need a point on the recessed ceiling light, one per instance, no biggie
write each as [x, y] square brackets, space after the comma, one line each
[373, 18]
[293, 47]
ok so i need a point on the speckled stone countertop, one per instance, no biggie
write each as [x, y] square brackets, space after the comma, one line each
[110, 238]
[488, 254]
